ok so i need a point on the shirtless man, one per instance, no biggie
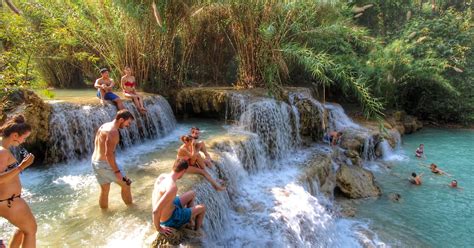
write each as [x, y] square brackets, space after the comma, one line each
[104, 86]
[105, 167]
[333, 137]
[170, 210]
[201, 146]
[415, 179]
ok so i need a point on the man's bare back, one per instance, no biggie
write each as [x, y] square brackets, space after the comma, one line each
[164, 184]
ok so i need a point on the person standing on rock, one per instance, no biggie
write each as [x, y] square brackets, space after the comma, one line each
[172, 211]
[103, 161]
[12, 206]
[104, 86]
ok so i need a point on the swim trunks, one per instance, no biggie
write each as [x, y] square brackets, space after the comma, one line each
[103, 172]
[109, 96]
[179, 217]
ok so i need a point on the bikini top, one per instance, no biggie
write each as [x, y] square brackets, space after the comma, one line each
[129, 84]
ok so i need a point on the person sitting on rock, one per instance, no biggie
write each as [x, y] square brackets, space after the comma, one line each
[201, 146]
[415, 179]
[332, 137]
[128, 87]
[189, 152]
[419, 153]
[172, 211]
[104, 86]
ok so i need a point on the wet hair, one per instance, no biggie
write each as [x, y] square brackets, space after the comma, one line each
[413, 174]
[435, 166]
[422, 144]
[180, 165]
[186, 138]
[194, 128]
[124, 114]
[454, 181]
[16, 124]
[102, 70]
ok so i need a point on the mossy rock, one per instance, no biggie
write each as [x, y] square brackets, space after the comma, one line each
[173, 239]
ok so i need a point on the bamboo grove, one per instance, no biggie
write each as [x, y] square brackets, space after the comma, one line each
[395, 54]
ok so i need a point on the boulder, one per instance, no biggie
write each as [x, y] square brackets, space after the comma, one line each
[310, 119]
[319, 171]
[35, 110]
[356, 182]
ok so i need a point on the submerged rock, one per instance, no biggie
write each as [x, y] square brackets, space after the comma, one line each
[356, 182]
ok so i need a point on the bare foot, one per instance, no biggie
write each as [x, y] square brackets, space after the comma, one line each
[219, 188]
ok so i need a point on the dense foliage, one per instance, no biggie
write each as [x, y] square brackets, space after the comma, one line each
[403, 54]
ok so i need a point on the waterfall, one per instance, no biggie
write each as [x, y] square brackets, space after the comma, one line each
[275, 124]
[266, 203]
[338, 120]
[72, 127]
[369, 148]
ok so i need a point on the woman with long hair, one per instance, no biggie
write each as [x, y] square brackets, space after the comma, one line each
[12, 206]
[128, 87]
[196, 164]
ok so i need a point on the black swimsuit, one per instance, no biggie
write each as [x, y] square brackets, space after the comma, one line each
[12, 198]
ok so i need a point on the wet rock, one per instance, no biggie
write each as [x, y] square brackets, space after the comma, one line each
[310, 120]
[36, 112]
[319, 175]
[405, 124]
[354, 157]
[179, 237]
[356, 182]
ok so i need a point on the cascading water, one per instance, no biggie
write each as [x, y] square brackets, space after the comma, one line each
[274, 123]
[338, 120]
[267, 205]
[73, 127]
[369, 149]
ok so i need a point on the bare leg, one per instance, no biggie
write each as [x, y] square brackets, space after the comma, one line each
[204, 173]
[102, 95]
[142, 105]
[20, 216]
[187, 199]
[17, 239]
[198, 211]
[104, 195]
[126, 193]
[119, 103]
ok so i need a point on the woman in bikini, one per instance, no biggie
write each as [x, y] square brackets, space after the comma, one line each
[128, 87]
[12, 206]
[196, 163]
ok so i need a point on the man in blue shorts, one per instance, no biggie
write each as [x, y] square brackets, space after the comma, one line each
[104, 86]
[172, 211]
